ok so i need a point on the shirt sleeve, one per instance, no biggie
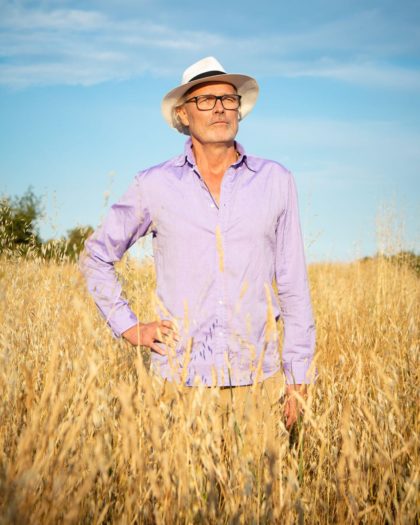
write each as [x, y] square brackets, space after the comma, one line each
[125, 222]
[294, 294]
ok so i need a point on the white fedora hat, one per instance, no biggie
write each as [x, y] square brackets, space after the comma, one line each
[208, 70]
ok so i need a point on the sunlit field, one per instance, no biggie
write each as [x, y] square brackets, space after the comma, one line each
[86, 438]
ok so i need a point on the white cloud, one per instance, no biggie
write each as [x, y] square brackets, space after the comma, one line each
[362, 73]
[358, 72]
[59, 46]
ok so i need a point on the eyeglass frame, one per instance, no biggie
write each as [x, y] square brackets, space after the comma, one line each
[216, 98]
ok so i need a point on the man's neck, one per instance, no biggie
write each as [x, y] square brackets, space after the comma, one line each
[214, 159]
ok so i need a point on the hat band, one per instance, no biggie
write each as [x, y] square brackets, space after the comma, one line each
[207, 74]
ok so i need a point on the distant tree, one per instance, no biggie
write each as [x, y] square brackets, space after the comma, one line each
[406, 258]
[19, 233]
[18, 223]
[76, 238]
[69, 247]
[402, 258]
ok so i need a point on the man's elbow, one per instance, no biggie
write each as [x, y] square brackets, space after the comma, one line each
[83, 261]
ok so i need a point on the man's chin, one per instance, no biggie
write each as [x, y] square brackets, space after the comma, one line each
[216, 135]
[222, 134]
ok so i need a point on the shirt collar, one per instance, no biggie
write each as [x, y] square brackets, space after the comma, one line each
[188, 156]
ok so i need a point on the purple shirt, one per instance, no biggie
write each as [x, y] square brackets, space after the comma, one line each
[215, 268]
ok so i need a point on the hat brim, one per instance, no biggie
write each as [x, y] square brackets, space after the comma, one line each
[246, 86]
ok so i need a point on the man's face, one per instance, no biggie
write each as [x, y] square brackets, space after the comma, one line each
[217, 125]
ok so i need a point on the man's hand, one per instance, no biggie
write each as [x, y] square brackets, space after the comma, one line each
[292, 407]
[149, 334]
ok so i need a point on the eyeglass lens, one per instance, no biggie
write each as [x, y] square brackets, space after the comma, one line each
[207, 102]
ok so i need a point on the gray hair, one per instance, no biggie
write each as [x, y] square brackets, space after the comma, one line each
[178, 125]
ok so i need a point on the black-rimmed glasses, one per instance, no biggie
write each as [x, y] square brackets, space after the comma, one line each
[208, 102]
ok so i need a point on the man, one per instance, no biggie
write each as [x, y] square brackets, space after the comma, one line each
[225, 227]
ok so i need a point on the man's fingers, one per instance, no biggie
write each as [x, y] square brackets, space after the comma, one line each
[290, 411]
[168, 329]
[158, 335]
[290, 422]
[169, 324]
[291, 418]
[165, 335]
[157, 332]
[157, 348]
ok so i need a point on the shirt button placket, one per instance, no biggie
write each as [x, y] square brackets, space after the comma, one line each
[222, 335]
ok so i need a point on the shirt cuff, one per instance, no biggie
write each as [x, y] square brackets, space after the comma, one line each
[122, 319]
[299, 372]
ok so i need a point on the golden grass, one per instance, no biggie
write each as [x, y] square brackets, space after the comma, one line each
[85, 438]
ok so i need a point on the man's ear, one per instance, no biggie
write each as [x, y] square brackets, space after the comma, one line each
[182, 115]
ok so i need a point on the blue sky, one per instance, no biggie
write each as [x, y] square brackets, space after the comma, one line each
[81, 85]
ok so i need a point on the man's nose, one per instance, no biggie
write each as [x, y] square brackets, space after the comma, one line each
[219, 106]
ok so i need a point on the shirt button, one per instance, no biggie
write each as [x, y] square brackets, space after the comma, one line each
[221, 334]
[220, 301]
[211, 205]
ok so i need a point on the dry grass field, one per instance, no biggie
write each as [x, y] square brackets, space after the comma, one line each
[86, 438]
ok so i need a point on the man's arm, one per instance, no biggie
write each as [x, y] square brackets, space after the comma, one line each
[295, 303]
[124, 224]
